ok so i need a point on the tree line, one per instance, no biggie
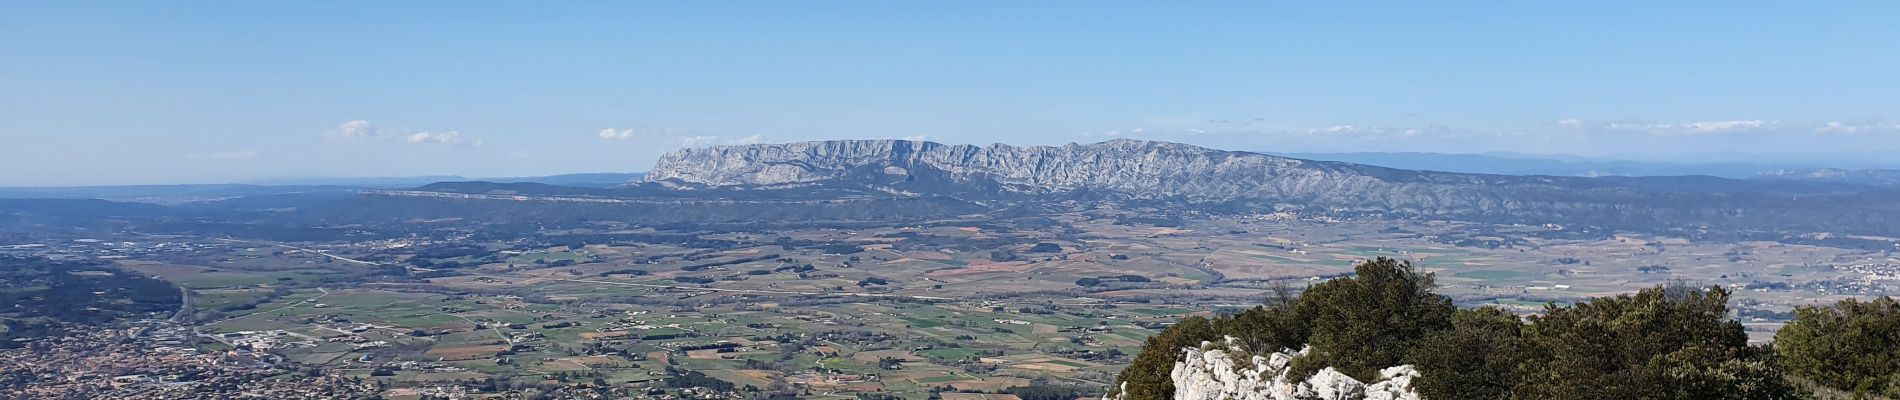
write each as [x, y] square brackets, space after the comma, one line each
[1665, 342]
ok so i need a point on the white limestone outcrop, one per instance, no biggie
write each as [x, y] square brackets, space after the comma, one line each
[1213, 374]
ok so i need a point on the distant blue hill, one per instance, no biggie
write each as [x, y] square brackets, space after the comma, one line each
[594, 179]
[1556, 165]
[591, 179]
[191, 193]
[166, 194]
[371, 181]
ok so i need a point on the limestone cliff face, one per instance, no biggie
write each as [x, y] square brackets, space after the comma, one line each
[1214, 375]
[1144, 170]
[1133, 168]
[790, 163]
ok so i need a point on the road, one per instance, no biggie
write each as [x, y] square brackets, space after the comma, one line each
[325, 254]
[187, 307]
[504, 336]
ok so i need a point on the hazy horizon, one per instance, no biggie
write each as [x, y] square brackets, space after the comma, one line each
[151, 93]
[1365, 157]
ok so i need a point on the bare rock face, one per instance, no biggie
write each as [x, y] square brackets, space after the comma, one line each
[791, 163]
[1134, 168]
[1214, 375]
[1126, 169]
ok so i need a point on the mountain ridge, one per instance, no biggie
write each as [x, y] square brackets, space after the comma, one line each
[1128, 169]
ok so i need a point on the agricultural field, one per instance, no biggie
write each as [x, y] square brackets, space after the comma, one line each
[977, 306]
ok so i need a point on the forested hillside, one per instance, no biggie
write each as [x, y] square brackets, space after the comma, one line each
[38, 294]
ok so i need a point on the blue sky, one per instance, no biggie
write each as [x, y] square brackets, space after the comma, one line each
[168, 92]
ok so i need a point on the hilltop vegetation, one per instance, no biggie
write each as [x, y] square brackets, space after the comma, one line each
[1666, 342]
[1852, 347]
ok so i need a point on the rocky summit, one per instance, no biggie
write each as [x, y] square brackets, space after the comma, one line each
[1212, 372]
[1133, 167]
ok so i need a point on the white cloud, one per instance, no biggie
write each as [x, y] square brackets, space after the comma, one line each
[1353, 129]
[649, 134]
[355, 129]
[1725, 126]
[698, 141]
[1837, 127]
[616, 134]
[1340, 129]
[918, 138]
[1853, 127]
[1694, 128]
[1624, 126]
[1141, 131]
[1562, 134]
[706, 140]
[449, 137]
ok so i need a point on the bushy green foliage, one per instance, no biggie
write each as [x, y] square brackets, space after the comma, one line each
[1369, 321]
[1477, 359]
[1358, 325]
[1277, 326]
[1045, 392]
[683, 378]
[1661, 343]
[1147, 376]
[1853, 346]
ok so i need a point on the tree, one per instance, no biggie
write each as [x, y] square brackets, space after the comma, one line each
[1477, 359]
[1044, 391]
[1852, 346]
[1369, 321]
[1045, 247]
[1672, 342]
[1148, 376]
[1276, 326]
